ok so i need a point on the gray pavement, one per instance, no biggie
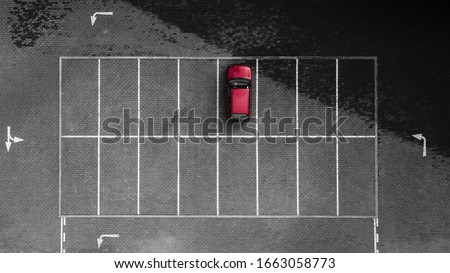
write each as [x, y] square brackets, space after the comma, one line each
[30, 219]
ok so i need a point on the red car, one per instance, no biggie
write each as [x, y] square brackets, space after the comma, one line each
[239, 91]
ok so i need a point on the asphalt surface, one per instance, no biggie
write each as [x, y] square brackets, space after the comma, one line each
[413, 190]
[221, 235]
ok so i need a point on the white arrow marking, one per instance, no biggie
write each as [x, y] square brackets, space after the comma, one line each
[100, 240]
[17, 139]
[421, 137]
[93, 17]
[9, 138]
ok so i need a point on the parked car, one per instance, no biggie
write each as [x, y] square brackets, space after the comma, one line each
[239, 91]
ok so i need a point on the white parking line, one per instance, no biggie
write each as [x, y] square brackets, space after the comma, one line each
[98, 138]
[337, 139]
[376, 133]
[62, 235]
[178, 133]
[59, 138]
[227, 58]
[174, 216]
[138, 142]
[215, 136]
[217, 145]
[257, 145]
[375, 235]
[296, 143]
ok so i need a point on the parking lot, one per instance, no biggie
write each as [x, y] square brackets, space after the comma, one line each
[230, 175]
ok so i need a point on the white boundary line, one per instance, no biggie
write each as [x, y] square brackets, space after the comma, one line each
[59, 139]
[138, 142]
[296, 143]
[376, 152]
[376, 133]
[257, 143]
[215, 136]
[62, 235]
[225, 216]
[228, 58]
[375, 235]
[98, 136]
[218, 143]
[178, 133]
[337, 139]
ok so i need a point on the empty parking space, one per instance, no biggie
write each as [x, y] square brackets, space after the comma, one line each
[198, 93]
[79, 97]
[237, 172]
[356, 91]
[277, 99]
[158, 178]
[357, 177]
[118, 178]
[317, 178]
[119, 93]
[79, 177]
[277, 177]
[198, 178]
[158, 95]
[317, 91]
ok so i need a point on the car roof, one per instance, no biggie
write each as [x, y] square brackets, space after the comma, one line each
[240, 101]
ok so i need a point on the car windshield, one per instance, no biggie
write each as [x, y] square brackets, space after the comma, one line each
[243, 83]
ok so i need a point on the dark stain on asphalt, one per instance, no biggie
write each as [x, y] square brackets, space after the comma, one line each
[30, 20]
[414, 73]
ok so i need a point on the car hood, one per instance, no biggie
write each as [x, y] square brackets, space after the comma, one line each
[239, 71]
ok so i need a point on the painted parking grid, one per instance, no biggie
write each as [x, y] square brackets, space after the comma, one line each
[226, 176]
